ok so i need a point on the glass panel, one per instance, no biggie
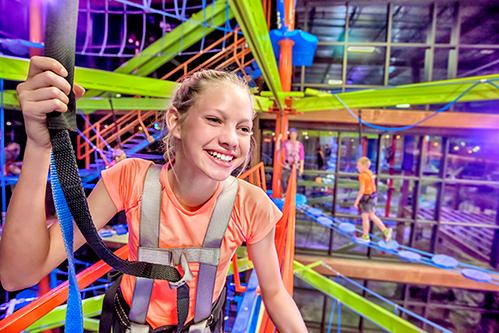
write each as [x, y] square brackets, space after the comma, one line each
[310, 235]
[310, 303]
[367, 23]
[365, 65]
[327, 22]
[479, 24]
[328, 63]
[348, 152]
[268, 140]
[440, 64]
[474, 62]
[473, 158]
[406, 65]
[433, 156]
[445, 21]
[411, 24]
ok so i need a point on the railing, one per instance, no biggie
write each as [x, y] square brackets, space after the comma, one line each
[26, 316]
[236, 52]
[106, 132]
[285, 245]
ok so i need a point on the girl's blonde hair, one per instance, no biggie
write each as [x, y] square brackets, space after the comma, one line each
[364, 161]
[185, 97]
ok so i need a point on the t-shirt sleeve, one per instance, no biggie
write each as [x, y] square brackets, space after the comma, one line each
[124, 181]
[262, 215]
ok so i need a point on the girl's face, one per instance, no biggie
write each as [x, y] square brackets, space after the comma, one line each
[216, 134]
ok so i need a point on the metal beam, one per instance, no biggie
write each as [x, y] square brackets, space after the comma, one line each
[250, 16]
[16, 69]
[437, 92]
[398, 117]
[90, 104]
[367, 309]
[91, 307]
[398, 272]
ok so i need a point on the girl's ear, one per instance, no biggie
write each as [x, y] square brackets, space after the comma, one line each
[173, 122]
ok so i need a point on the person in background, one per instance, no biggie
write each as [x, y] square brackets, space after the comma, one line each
[294, 154]
[366, 201]
[320, 158]
[12, 166]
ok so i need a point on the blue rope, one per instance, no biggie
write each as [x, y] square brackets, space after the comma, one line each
[373, 245]
[403, 128]
[74, 317]
[339, 317]
[331, 315]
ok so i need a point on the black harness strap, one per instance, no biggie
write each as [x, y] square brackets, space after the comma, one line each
[60, 45]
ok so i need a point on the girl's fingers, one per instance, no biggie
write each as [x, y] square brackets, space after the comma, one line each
[43, 107]
[78, 90]
[45, 94]
[39, 65]
[46, 79]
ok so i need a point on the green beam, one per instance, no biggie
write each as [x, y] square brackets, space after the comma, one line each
[16, 69]
[437, 92]
[179, 39]
[91, 325]
[55, 318]
[249, 14]
[90, 104]
[367, 309]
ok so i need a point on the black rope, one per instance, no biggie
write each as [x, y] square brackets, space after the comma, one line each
[60, 43]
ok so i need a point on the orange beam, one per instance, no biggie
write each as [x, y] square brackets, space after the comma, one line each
[26, 316]
[399, 272]
[458, 120]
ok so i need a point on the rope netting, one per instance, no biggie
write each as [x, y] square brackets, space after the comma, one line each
[123, 28]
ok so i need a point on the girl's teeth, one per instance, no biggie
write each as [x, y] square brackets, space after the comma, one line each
[221, 157]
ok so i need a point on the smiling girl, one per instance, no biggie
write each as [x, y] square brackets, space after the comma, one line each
[209, 138]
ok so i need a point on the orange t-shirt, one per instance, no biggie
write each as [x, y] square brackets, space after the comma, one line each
[253, 217]
[366, 179]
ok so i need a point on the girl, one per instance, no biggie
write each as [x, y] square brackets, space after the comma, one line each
[209, 126]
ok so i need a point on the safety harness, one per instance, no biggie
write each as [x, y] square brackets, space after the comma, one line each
[366, 198]
[208, 257]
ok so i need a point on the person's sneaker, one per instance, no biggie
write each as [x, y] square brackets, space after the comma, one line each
[363, 239]
[388, 234]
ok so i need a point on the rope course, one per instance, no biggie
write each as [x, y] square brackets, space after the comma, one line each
[144, 18]
[406, 253]
[435, 113]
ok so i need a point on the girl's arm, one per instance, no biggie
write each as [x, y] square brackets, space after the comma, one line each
[279, 304]
[28, 249]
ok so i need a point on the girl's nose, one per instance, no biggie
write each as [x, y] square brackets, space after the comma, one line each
[228, 138]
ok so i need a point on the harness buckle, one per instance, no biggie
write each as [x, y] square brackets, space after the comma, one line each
[187, 272]
[201, 327]
[138, 328]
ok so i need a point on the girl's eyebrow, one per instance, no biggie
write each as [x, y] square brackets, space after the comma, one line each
[225, 115]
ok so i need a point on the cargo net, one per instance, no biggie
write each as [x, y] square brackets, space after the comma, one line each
[122, 28]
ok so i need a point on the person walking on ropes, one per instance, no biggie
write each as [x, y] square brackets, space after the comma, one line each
[366, 201]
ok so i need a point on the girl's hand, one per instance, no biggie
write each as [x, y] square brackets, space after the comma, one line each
[356, 205]
[45, 90]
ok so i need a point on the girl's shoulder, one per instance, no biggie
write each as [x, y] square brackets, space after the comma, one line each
[250, 193]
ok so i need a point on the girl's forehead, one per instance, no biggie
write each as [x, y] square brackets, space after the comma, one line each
[226, 97]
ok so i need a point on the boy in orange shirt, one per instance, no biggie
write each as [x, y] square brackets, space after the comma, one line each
[366, 201]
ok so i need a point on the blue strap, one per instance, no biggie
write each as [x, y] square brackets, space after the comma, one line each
[74, 316]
